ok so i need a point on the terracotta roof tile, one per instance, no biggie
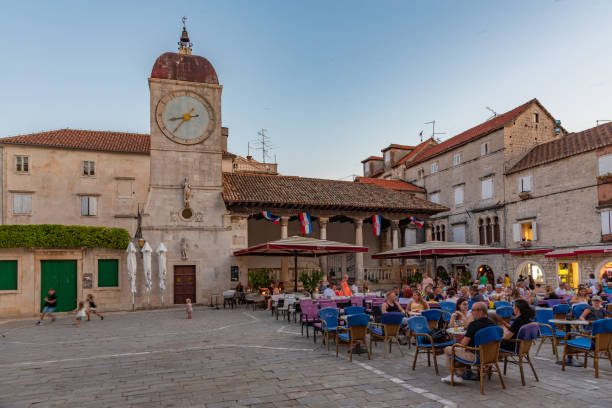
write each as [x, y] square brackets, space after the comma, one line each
[418, 150]
[371, 158]
[397, 146]
[565, 146]
[477, 131]
[270, 191]
[397, 185]
[85, 140]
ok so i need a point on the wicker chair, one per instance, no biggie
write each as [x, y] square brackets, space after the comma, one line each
[522, 344]
[420, 329]
[486, 342]
[387, 331]
[327, 325]
[506, 313]
[548, 331]
[592, 345]
[357, 328]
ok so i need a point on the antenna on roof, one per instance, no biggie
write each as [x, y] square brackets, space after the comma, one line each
[433, 130]
[421, 136]
[263, 143]
[492, 111]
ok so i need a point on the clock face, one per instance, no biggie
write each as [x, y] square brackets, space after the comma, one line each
[184, 117]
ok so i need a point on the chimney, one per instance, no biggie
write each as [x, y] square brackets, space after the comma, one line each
[224, 136]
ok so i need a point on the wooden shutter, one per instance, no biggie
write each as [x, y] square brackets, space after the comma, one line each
[516, 232]
[527, 183]
[8, 275]
[17, 204]
[605, 223]
[534, 231]
[93, 206]
[84, 206]
[459, 195]
[108, 273]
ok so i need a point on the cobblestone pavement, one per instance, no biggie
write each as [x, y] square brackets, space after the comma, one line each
[241, 358]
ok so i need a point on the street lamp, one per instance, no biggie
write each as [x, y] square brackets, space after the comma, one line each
[138, 235]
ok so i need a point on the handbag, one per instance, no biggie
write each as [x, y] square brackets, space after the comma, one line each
[438, 336]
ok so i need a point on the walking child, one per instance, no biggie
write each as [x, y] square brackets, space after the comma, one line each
[189, 308]
[80, 313]
[49, 307]
[92, 308]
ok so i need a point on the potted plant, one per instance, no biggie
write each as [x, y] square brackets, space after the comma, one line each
[524, 195]
[260, 278]
[310, 281]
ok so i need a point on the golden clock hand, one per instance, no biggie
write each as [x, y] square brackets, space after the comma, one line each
[176, 118]
[180, 124]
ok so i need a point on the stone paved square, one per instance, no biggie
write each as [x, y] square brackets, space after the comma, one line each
[244, 358]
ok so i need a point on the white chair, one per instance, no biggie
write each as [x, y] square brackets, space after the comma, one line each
[286, 308]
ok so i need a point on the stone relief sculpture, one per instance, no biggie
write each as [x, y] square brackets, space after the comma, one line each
[184, 247]
[187, 193]
[199, 217]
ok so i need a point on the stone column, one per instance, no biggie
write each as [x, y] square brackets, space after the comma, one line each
[284, 275]
[428, 231]
[359, 255]
[323, 235]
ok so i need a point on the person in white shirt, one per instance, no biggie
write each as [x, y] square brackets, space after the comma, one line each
[329, 291]
[451, 296]
[426, 281]
[354, 288]
[561, 290]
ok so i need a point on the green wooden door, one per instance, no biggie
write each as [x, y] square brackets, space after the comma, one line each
[62, 276]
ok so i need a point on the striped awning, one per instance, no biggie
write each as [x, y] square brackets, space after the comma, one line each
[433, 249]
[301, 246]
[586, 250]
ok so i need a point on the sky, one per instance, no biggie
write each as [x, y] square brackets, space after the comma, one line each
[332, 82]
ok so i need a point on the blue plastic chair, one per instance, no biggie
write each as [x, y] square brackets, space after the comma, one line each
[420, 329]
[501, 303]
[522, 345]
[505, 312]
[433, 317]
[328, 325]
[592, 345]
[357, 328]
[351, 310]
[387, 331]
[561, 310]
[470, 304]
[578, 309]
[448, 308]
[548, 330]
[486, 350]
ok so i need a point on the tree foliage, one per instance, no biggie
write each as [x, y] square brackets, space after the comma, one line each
[62, 236]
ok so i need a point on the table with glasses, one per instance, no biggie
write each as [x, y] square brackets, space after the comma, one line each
[570, 360]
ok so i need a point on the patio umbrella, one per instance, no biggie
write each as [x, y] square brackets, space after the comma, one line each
[131, 267]
[146, 262]
[300, 246]
[161, 253]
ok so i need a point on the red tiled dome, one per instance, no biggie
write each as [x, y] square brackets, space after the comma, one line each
[184, 67]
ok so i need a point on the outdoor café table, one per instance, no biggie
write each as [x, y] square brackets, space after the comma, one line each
[215, 297]
[570, 359]
[456, 331]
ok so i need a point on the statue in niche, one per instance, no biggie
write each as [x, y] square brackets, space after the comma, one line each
[187, 193]
[184, 247]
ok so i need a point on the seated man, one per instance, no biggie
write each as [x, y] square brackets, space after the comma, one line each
[481, 320]
[329, 291]
[594, 312]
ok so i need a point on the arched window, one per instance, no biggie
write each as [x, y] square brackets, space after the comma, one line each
[443, 234]
[489, 231]
[437, 233]
[496, 236]
[481, 231]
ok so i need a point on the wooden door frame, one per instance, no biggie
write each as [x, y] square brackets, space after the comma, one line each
[56, 255]
[195, 277]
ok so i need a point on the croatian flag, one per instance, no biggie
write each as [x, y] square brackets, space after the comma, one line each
[305, 222]
[418, 223]
[376, 223]
[268, 216]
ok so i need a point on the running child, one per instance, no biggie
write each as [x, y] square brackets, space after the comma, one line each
[92, 308]
[80, 313]
[49, 307]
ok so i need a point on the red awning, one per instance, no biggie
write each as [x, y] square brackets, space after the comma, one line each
[302, 246]
[529, 251]
[587, 250]
[433, 249]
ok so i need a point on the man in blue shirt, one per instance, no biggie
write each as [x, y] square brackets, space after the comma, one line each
[608, 289]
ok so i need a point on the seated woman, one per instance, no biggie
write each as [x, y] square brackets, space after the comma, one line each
[391, 304]
[550, 293]
[523, 314]
[580, 297]
[462, 315]
[597, 289]
[239, 287]
[418, 304]
[273, 291]
[594, 312]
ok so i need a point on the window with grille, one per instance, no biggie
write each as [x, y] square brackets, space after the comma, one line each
[457, 159]
[434, 167]
[22, 164]
[89, 168]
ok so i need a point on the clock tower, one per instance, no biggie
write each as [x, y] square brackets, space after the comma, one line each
[184, 208]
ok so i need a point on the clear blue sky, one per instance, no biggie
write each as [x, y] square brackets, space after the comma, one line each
[332, 81]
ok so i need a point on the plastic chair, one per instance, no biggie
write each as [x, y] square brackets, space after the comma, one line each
[501, 303]
[327, 324]
[351, 310]
[357, 328]
[470, 304]
[561, 310]
[308, 316]
[286, 308]
[552, 302]
[356, 301]
[448, 308]
[387, 331]
[548, 330]
[591, 344]
[419, 328]
[433, 317]
[486, 350]
[578, 309]
[505, 312]
[522, 344]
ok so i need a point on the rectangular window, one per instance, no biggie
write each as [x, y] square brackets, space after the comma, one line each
[22, 203]
[459, 195]
[434, 167]
[8, 275]
[435, 198]
[606, 224]
[108, 273]
[89, 168]
[22, 164]
[487, 188]
[525, 231]
[484, 149]
[459, 233]
[420, 174]
[536, 117]
[457, 159]
[89, 206]
[605, 164]
[524, 184]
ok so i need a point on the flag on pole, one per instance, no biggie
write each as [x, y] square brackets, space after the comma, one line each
[377, 224]
[268, 216]
[418, 223]
[305, 222]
